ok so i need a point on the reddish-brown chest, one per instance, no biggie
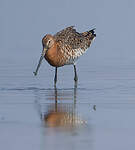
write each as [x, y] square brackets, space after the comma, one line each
[54, 56]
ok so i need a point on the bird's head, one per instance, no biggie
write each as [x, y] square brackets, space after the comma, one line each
[47, 42]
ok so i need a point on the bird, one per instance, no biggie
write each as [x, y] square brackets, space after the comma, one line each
[64, 48]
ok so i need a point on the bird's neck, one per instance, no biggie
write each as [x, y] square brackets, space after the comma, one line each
[52, 55]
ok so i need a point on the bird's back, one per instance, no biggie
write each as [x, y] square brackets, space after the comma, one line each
[74, 39]
[73, 44]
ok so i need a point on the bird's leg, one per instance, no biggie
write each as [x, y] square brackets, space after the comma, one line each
[55, 78]
[75, 78]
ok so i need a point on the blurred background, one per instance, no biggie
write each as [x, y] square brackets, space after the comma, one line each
[24, 23]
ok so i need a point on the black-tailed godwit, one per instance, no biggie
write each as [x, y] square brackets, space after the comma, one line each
[64, 48]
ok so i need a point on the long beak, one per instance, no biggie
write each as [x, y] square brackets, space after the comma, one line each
[40, 61]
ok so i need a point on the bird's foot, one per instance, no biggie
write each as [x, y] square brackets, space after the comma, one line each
[75, 78]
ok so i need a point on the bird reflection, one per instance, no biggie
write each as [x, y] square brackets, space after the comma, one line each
[62, 114]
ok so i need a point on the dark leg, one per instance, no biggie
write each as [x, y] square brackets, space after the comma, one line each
[75, 78]
[55, 78]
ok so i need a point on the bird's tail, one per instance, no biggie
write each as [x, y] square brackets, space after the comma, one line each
[90, 34]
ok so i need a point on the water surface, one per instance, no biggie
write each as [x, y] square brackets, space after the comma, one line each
[98, 114]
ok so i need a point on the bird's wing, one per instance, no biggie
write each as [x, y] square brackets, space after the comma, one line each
[61, 35]
[70, 37]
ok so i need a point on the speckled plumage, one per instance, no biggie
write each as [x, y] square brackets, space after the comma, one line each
[65, 47]
[73, 44]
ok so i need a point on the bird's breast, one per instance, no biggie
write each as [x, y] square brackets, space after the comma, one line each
[58, 55]
[54, 57]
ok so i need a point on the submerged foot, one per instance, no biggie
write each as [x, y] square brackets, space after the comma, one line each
[75, 78]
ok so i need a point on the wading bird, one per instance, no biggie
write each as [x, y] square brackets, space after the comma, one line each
[64, 48]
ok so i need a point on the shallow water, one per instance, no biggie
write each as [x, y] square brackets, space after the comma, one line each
[98, 114]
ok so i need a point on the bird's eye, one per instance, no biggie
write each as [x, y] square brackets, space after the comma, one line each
[49, 42]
